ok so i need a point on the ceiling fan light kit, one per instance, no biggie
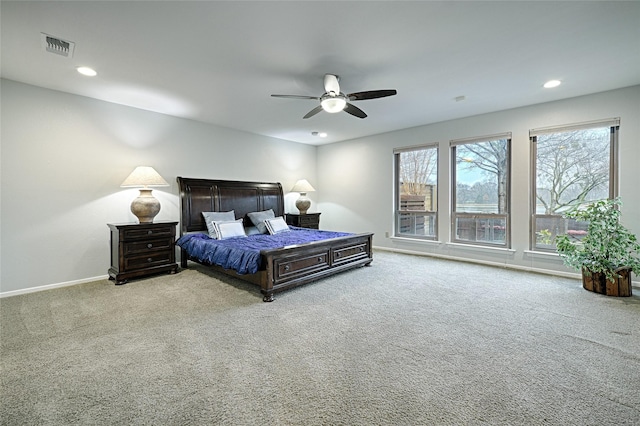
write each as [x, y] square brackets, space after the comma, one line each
[333, 104]
[333, 100]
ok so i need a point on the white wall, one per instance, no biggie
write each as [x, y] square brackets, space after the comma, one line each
[65, 156]
[356, 177]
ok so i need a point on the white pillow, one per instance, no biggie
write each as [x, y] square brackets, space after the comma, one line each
[214, 227]
[276, 225]
[209, 217]
[230, 229]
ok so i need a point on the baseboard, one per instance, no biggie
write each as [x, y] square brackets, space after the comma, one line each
[51, 286]
[635, 284]
[576, 275]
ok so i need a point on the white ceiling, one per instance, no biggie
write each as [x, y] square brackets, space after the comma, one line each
[219, 62]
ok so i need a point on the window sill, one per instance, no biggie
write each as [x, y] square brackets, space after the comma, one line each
[414, 240]
[455, 245]
[541, 254]
[481, 248]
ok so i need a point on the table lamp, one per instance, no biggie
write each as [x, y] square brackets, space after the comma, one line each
[303, 203]
[146, 206]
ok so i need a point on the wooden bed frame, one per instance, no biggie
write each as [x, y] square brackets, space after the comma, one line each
[280, 268]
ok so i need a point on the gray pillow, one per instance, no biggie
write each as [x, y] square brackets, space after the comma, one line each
[209, 217]
[258, 218]
[251, 230]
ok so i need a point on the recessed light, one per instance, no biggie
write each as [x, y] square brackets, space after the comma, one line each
[320, 134]
[552, 83]
[90, 72]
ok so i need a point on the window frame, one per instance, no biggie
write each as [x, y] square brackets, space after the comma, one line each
[455, 215]
[614, 129]
[399, 213]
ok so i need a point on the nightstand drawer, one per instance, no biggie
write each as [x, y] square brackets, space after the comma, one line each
[151, 259]
[307, 220]
[161, 231]
[147, 246]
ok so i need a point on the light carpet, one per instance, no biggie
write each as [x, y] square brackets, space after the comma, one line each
[407, 341]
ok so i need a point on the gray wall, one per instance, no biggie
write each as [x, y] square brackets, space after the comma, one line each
[356, 177]
[65, 156]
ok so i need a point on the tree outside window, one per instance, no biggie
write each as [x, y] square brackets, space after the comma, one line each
[481, 195]
[417, 190]
[572, 167]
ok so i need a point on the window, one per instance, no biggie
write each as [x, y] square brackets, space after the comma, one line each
[480, 193]
[416, 192]
[572, 165]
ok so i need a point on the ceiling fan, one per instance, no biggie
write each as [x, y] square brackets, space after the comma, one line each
[333, 100]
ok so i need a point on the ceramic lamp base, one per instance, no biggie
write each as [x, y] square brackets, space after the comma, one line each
[145, 207]
[303, 203]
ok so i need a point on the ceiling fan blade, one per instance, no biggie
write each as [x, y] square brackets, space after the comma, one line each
[331, 84]
[371, 94]
[354, 110]
[313, 111]
[315, 98]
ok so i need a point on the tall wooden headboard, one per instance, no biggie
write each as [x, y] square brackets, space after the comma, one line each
[207, 195]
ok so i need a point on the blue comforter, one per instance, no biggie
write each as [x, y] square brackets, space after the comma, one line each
[243, 254]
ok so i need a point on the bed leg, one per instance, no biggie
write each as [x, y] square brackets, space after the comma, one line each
[268, 297]
[183, 259]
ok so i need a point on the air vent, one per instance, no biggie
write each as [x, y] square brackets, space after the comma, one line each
[57, 45]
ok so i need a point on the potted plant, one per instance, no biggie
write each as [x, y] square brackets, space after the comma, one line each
[607, 254]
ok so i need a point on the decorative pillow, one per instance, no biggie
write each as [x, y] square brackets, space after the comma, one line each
[214, 225]
[251, 230]
[276, 225]
[210, 217]
[258, 218]
[230, 229]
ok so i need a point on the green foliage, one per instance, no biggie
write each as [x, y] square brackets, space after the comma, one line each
[544, 237]
[608, 245]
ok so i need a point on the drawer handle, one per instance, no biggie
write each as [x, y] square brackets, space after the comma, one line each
[319, 259]
[149, 232]
[287, 267]
[149, 260]
[338, 254]
[361, 249]
[149, 245]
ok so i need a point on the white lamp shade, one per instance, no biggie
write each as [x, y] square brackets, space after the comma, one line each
[302, 186]
[144, 176]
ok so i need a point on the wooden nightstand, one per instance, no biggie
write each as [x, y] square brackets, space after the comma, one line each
[309, 220]
[140, 249]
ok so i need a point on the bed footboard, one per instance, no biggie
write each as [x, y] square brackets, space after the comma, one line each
[292, 266]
